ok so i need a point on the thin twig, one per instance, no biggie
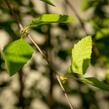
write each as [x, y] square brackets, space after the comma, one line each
[50, 59]
[77, 15]
[13, 14]
[65, 94]
[49, 63]
[36, 45]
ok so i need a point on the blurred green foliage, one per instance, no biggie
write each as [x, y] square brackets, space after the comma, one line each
[99, 21]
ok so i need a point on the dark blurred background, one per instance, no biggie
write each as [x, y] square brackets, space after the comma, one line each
[36, 86]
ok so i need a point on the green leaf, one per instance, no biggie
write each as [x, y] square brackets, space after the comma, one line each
[16, 54]
[104, 32]
[48, 2]
[50, 18]
[81, 54]
[85, 5]
[105, 22]
[95, 82]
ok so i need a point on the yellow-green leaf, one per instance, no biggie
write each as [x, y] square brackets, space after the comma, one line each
[81, 54]
[16, 54]
[50, 18]
[95, 82]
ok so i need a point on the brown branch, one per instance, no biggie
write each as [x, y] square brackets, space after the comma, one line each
[77, 15]
[21, 82]
[49, 58]
[13, 14]
[20, 74]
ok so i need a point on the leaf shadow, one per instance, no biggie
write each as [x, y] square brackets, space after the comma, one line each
[85, 65]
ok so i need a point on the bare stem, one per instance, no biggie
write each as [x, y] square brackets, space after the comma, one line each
[36, 45]
[65, 94]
